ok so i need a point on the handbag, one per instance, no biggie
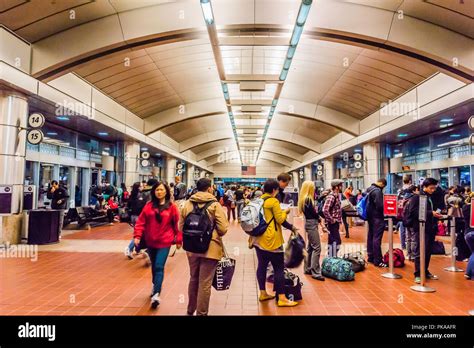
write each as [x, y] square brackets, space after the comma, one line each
[346, 205]
[224, 272]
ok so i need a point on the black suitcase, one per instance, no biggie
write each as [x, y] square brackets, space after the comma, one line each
[438, 248]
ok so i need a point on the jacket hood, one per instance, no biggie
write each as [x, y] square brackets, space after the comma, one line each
[203, 197]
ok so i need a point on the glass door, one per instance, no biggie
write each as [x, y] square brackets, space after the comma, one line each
[45, 177]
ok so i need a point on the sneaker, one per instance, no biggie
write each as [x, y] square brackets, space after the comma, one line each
[128, 253]
[146, 257]
[155, 300]
[382, 265]
[432, 276]
[467, 277]
[418, 280]
[320, 278]
[287, 303]
[307, 272]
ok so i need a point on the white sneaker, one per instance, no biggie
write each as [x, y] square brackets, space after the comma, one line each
[128, 253]
[146, 257]
[155, 300]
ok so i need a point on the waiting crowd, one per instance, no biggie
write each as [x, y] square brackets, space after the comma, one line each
[197, 218]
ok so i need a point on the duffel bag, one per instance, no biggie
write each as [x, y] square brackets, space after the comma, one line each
[294, 251]
[357, 261]
[398, 258]
[293, 286]
[337, 268]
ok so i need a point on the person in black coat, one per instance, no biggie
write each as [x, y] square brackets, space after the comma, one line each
[376, 222]
[58, 195]
[432, 215]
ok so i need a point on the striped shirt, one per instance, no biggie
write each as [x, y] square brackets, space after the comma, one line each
[332, 209]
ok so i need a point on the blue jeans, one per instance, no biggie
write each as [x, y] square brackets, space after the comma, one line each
[403, 236]
[470, 263]
[158, 259]
[133, 221]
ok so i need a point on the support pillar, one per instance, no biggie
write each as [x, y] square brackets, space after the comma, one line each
[307, 173]
[13, 123]
[372, 163]
[328, 167]
[130, 155]
[190, 175]
[170, 169]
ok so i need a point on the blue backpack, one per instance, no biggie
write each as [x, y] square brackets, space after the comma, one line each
[362, 207]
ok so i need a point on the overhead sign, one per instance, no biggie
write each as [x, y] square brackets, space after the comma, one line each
[36, 120]
[422, 208]
[390, 205]
[35, 136]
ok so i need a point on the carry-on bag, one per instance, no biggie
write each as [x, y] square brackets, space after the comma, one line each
[338, 269]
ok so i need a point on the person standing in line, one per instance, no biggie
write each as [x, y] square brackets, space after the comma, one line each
[376, 222]
[307, 207]
[402, 195]
[411, 240]
[428, 188]
[158, 226]
[269, 246]
[333, 215]
[179, 189]
[202, 266]
[58, 195]
[229, 201]
[239, 200]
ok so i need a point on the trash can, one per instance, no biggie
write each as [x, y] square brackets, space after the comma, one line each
[43, 226]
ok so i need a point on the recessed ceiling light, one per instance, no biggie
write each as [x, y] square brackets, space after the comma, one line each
[63, 118]
[455, 135]
[103, 133]
[52, 133]
[402, 135]
[446, 120]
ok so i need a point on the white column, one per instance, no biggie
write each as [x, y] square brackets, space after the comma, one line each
[131, 162]
[170, 169]
[86, 185]
[328, 165]
[72, 186]
[307, 173]
[371, 163]
[190, 174]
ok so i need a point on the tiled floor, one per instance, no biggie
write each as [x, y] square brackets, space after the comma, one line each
[68, 282]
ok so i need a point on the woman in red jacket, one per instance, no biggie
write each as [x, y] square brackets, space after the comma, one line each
[157, 226]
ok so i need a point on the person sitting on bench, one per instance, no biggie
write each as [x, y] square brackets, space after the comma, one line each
[101, 208]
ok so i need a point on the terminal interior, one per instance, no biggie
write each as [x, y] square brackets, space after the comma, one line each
[96, 93]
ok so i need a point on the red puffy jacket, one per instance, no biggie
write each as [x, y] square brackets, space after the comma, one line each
[158, 234]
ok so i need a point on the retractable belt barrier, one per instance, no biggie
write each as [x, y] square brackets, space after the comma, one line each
[422, 248]
[391, 274]
[454, 249]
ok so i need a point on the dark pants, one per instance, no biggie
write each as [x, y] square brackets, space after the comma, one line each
[158, 259]
[374, 240]
[334, 239]
[229, 210]
[430, 236]
[470, 264]
[276, 259]
[346, 224]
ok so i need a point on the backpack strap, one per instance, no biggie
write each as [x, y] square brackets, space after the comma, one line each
[273, 217]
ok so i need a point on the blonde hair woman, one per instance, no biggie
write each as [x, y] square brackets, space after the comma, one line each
[307, 207]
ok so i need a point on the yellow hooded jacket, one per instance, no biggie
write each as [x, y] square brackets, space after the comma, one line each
[272, 239]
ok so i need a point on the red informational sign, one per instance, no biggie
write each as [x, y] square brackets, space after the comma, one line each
[472, 212]
[390, 205]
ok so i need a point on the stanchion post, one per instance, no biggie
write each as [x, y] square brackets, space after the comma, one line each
[391, 274]
[454, 250]
[422, 248]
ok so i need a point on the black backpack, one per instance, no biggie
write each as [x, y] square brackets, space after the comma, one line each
[197, 229]
[407, 219]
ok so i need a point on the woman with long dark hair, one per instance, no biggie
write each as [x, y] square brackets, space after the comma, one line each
[157, 226]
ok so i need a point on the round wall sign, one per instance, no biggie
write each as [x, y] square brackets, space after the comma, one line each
[180, 166]
[145, 163]
[358, 165]
[35, 136]
[319, 167]
[36, 120]
[357, 157]
[471, 122]
[145, 155]
[319, 172]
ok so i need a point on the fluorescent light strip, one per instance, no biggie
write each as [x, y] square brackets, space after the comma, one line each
[295, 38]
[209, 19]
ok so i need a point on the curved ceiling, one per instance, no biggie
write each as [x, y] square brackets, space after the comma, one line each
[153, 57]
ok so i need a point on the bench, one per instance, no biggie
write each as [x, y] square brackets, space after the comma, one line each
[91, 216]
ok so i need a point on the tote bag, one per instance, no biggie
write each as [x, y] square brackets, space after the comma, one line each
[224, 273]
